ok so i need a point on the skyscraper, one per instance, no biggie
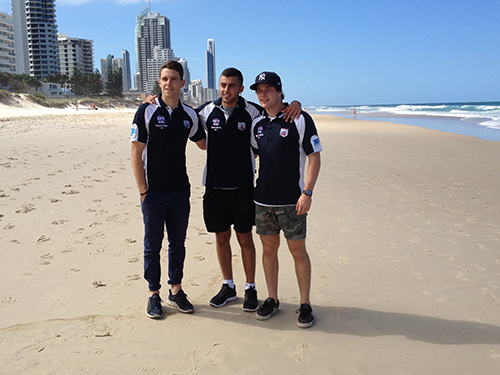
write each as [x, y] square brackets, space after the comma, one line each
[7, 49]
[210, 63]
[127, 78]
[75, 52]
[152, 30]
[35, 37]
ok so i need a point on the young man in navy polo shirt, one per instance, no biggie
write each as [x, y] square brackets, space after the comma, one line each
[229, 181]
[159, 136]
[282, 197]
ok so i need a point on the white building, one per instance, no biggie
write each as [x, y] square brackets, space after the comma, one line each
[35, 37]
[75, 52]
[152, 34]
[7, 49]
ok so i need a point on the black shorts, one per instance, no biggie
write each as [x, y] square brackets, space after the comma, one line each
[223, 208]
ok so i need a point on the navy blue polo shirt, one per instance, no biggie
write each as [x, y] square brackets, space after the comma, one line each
[165, 133]
[283, 149]
[230, 158]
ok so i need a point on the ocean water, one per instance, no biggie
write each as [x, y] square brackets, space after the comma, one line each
[481, 120]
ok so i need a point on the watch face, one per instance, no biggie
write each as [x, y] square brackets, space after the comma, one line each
[308, 192]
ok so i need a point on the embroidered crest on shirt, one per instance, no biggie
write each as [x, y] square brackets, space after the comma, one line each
[284, 132]
[160, 122]
[187, 124]
[260, 132]
[241, 126]
[216, 124]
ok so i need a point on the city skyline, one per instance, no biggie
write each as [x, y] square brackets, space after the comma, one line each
[335, 53]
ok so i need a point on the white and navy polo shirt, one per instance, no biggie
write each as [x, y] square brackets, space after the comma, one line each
[230, 158]
[165, 133]
[283, 148]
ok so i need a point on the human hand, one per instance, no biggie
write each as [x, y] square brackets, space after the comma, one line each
[292, 111]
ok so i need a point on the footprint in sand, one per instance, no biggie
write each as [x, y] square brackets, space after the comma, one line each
[303, 349]
[215, 354]
[45, 259]
[25, 208]
[43, 238]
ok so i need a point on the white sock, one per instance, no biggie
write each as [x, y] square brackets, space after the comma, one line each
[248, 286]
[230, 283]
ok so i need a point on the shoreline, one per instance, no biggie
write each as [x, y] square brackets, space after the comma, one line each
[446, 123]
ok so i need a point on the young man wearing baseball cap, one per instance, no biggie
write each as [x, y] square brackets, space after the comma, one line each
[282, 195]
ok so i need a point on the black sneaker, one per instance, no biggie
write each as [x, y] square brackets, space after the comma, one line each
[306, 316]
[180, 301]
[251, 303]
[154, 309]
[268, 308]
[225, 294]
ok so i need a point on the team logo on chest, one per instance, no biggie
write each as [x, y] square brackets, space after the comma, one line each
[160, 122]
[260, 132]
[284, 132]
[216, 124]
[241, 126]
[187, 124]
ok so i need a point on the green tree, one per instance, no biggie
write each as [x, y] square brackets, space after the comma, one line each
[156, 89]
[77, 82]
[95, 85]
[114, 82]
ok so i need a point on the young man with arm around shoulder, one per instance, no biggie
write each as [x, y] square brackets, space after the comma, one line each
[282, 196]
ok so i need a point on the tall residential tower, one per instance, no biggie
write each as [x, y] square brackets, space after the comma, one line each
[210, 63]
[35, 37]
[7, 49]
[75, 52]
[153, 47]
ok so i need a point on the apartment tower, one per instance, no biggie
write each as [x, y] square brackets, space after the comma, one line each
[35, 37]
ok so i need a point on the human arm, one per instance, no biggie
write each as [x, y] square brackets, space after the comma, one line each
[138, 168]
[304, 202]
[202, 144]
[292, 111]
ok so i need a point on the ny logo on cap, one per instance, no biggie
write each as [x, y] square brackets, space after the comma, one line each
[262, 76]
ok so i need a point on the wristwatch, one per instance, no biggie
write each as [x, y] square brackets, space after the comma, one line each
[309, 193]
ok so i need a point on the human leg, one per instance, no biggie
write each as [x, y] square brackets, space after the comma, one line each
[176, 221]
[224, 254]
[153, 210]
[302, 268]
[270, 246]
[247, 255]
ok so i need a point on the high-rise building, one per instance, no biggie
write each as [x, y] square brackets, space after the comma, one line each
[75, 52]
[210, 63]
[152, 34]
[127, 77]
[35, 37]
[7, 49]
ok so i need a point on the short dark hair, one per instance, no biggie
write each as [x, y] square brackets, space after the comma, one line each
[173, 65]
[233, 72]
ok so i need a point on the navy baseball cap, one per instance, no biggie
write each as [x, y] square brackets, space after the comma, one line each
[268, 78]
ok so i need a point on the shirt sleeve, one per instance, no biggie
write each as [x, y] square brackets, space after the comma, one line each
[138, 131]
[197, 132]
[310, 139]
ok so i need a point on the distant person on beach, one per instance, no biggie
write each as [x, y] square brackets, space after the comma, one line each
[229, 181]
[354, 112]
[282, 197]
[159, 136]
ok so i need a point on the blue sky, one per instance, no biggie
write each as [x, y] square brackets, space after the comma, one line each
[326, 52]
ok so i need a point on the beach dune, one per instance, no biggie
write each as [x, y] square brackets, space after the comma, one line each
[403, 237]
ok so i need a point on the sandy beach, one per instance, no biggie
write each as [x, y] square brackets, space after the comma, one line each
[403, 237]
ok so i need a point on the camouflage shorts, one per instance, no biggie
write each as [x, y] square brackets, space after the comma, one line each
[270, 220]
